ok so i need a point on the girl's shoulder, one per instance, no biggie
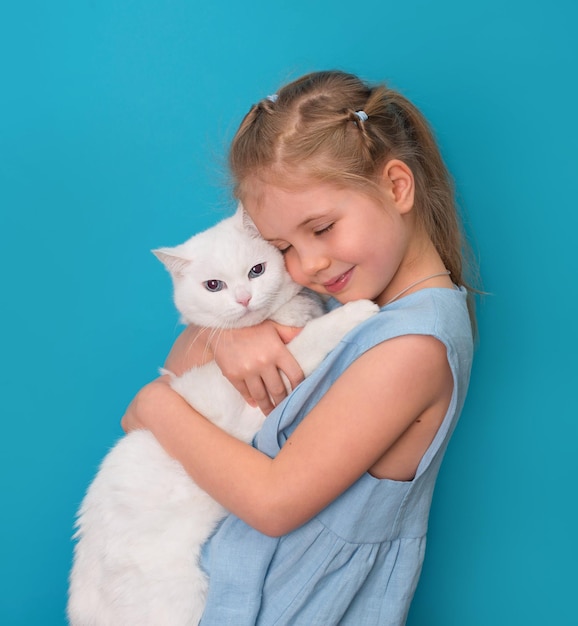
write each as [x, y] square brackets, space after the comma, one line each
[439, 312]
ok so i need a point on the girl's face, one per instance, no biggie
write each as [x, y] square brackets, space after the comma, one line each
[336, 241]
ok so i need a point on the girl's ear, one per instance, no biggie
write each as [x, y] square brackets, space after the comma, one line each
[399, 182]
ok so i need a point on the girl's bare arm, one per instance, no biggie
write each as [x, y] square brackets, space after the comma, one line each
[380, 414]
[251, 358]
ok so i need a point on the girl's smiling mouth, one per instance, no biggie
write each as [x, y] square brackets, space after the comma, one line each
[335, 285]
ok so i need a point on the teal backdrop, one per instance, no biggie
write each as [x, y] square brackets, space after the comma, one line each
[114, 122]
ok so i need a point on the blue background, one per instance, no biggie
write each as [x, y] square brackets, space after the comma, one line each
[114, 122]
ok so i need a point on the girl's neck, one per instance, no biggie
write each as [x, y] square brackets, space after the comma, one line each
[407, 290]
[421, 268]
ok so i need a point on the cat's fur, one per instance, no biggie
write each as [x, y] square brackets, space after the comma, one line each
[143, 521]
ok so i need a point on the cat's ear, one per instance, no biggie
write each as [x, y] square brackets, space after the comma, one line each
[245, 221]
[174, 263]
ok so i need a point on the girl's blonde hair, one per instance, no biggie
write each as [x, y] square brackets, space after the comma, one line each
[315, 129]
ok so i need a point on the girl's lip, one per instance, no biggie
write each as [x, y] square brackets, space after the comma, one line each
[340, 282]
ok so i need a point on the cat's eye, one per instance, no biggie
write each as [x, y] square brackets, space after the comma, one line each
[257, 270]
[214, 285]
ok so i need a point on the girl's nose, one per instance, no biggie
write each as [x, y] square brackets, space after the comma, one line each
[313, 262]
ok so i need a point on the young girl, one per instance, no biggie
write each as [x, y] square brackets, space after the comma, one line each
[329, 507]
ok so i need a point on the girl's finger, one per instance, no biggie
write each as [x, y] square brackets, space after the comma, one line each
[260, 395]
[275, 386]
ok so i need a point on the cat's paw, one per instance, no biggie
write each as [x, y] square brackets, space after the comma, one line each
[322, 334]
[351, 314]
[360, 310]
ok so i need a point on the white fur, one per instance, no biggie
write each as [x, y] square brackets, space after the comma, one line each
[143, 521]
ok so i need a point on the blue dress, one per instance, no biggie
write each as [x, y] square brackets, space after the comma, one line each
[357, 562]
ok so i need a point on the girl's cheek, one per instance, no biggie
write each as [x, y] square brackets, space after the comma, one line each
[294, 267]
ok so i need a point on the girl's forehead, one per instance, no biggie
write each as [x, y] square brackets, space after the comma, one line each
[260, 198]
[273, 181]
[277, 211]
[267, 198]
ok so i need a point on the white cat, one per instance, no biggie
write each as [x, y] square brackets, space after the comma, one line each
[143, 521]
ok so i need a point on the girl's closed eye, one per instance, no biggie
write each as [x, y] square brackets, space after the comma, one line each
[324, 229]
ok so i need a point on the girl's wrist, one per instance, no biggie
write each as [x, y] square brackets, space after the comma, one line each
[151, 405]
[158, 401]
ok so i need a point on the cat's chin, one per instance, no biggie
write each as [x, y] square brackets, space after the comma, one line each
[250, 318]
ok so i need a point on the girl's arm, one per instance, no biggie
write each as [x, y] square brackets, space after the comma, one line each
[381, 413]
[251, 358]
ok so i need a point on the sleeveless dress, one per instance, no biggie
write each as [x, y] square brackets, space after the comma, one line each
[358, 561]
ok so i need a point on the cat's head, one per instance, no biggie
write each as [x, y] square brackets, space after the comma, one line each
[227, 276]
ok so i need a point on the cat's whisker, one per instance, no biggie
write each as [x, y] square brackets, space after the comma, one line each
[217, 333]
[212, 343]
[138, 473]
[197, 337]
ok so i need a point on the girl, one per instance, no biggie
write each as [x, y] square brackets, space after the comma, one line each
[329, 507]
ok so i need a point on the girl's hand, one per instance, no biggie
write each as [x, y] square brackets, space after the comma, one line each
[253, 358]
[149, 404]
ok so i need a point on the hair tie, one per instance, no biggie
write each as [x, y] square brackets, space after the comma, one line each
[272, 97]
[362, 115]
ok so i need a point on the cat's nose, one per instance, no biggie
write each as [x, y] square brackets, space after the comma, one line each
[243, 297]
